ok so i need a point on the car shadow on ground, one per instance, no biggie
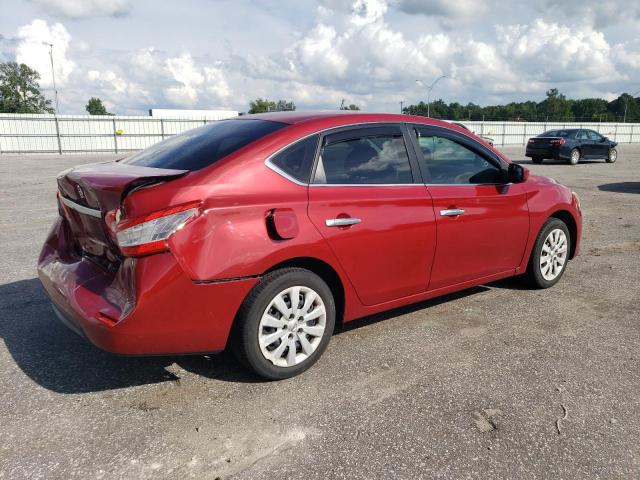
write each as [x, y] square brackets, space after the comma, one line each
[61, 361]
[620, 187]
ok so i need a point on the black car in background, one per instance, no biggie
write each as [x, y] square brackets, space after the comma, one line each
[572, 145]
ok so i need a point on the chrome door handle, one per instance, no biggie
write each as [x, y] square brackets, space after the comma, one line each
[341, 222]
[453, 212]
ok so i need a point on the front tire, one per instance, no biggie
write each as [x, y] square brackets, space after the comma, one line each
[574, 156]
[285, 323]
[613, 156]
[550, 254]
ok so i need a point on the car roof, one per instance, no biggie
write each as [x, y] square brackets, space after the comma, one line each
[344, 117]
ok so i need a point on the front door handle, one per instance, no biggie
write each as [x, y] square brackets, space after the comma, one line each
[452, 212]
[341, 222]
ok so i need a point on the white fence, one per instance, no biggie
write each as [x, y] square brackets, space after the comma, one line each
[86, 133]
[115, 134]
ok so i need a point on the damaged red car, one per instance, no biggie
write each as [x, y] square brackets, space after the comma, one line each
[261, 233]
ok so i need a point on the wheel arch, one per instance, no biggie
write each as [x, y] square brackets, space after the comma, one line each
[324, 271]
[567, 218]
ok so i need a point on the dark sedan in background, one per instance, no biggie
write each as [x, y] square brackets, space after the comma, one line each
[571, 145]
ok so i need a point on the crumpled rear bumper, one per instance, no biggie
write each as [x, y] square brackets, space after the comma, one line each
[149, 306]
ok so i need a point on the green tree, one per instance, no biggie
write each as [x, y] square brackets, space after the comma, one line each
[20, 90]
[95, 107]
[261, 105]
[556, 107]
[284, 105]
[352, 106]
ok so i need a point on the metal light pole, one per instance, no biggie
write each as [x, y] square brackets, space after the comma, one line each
[429, 88]
[53, 74]
[626, 104]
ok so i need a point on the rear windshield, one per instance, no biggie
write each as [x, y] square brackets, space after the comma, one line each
[557, 133]
[200, 147]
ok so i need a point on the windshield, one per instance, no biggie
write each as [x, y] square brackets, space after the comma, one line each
[203, 146]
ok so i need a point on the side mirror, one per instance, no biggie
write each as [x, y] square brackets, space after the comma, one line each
[604, 139]
[517, 173]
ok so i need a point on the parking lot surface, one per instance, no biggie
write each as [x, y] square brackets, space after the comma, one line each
[497, 381]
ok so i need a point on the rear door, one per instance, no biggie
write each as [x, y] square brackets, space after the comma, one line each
[482, 221]
[368, 201]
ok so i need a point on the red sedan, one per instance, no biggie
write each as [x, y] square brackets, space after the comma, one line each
[263, 231]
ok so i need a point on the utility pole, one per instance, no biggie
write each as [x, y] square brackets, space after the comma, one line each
[429, 88]
[401, 109]
[626, 104]
[53, 74]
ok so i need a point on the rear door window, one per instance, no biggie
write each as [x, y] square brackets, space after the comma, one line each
[364, 157]
[203, 146]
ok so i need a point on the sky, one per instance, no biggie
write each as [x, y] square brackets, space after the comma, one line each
[208, 54]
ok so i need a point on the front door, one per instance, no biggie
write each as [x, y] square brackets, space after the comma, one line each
[599, 148]
[482, 222]
[369, 204]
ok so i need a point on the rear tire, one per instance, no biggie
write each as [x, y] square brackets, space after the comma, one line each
[550, 255]
[574, 157]
[537, 159]
[613, 156]
[279, 336]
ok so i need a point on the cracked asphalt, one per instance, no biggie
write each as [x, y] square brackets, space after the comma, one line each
[496, 382]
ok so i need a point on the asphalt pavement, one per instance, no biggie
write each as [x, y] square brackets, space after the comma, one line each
[498, 381]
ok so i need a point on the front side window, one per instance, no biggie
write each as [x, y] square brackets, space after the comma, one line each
[374, 159]
[203, 146]
[594, 136]
[446, 161]
[297, 159]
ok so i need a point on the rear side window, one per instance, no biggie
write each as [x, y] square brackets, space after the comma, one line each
[297, 159]
[201, 147]
[369, 159]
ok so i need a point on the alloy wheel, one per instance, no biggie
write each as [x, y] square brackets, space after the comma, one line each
[575, 156]
[292, 326]
[554, 254]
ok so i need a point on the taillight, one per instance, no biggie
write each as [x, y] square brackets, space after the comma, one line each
[149, 234]
[559, 141]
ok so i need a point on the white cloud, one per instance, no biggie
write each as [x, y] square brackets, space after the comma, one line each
[449, 12]
[357, 51]
[33, 49]
[598, 13]
[556, 52]
[85, 8]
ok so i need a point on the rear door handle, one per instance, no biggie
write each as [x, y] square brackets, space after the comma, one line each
[452, 212]
[341, 222]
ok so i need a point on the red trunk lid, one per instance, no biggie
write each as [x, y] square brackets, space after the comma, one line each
[88, 192]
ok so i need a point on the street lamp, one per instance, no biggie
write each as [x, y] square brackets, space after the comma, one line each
[53, 74]
[429, 88]
[626, 104]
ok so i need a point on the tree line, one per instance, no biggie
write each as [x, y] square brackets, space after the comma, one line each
[20, 93]
[554, 108]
